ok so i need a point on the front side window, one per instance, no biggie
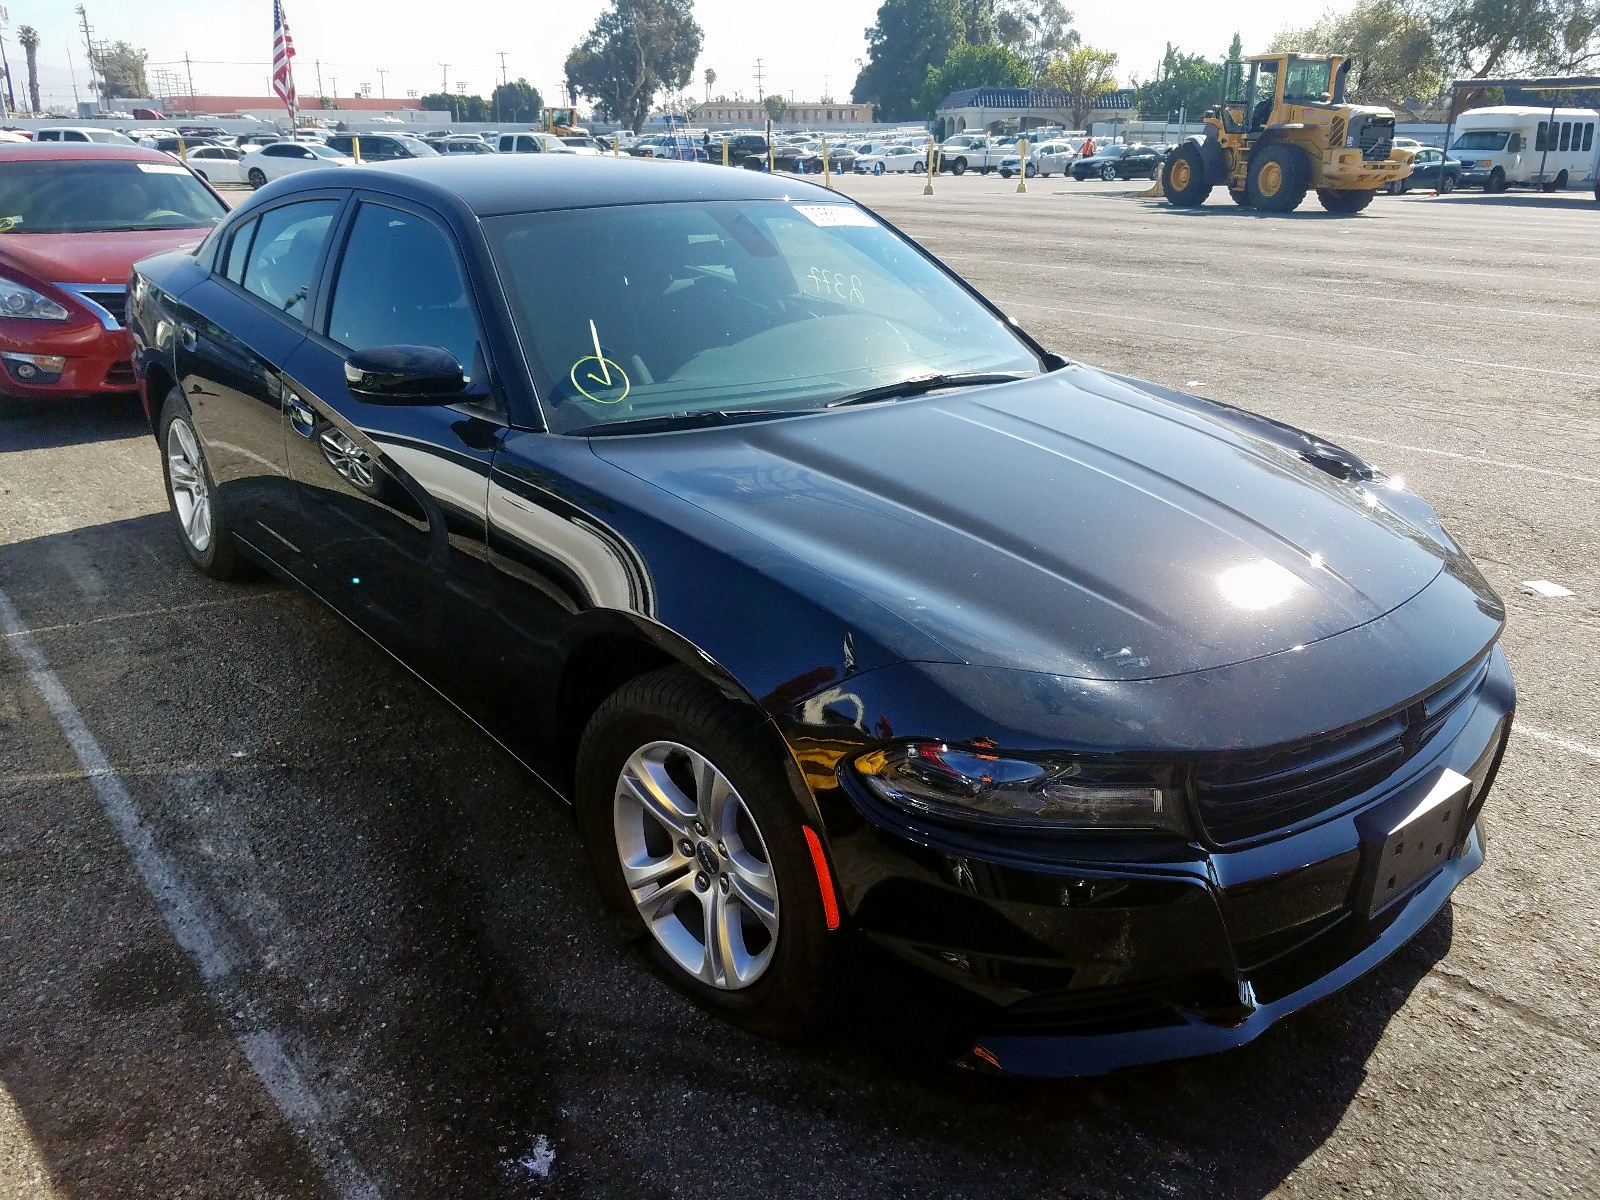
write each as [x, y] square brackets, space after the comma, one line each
[1307, 82]
[400, 283]
[283, 258]
[686, 308]
[114, 195]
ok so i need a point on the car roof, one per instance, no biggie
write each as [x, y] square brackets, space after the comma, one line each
[89, 150]
[484, 185]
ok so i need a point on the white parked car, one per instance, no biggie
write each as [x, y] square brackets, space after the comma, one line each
[85, 133]
[533, 142]
[217, 164]
[896, 159]
[284, 158]
[1048, 158]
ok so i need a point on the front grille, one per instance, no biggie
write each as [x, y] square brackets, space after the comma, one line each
[1244, 797]
[1376, 139]
[113, 300]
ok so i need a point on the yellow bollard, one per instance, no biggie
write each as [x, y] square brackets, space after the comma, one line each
[827, 166]
[927, 188]
[615, 142]
[183, 152]
[1022, 165]
[355, 148]
[724, 151]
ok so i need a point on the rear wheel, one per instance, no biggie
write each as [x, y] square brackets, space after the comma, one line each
[1447, 184]
[1279, 178]
[257, 177]
[1184, 177]
[700, 844]
[1337, 200]
[1031, 171]
[1557, 184]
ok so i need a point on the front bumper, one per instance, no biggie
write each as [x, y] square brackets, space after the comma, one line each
[97, 359]
[1350, 171]
[1089, 954]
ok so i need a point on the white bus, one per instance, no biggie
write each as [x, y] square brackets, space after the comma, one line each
[1530, 147]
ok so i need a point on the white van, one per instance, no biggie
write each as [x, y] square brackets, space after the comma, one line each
[1532, 147]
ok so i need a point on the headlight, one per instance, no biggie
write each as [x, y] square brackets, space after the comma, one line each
[969, 785]
[19, 301]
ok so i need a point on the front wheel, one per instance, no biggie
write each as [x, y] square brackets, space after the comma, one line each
[1005, 172]
[700, 843]
[1496, 182]
[1184, 177]
[877, 168]
[959, 167]
[257, 177]
[204, 531]
[1280, 175]
[1108, 173]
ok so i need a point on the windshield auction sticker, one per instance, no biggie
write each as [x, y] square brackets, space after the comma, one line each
[827, 215]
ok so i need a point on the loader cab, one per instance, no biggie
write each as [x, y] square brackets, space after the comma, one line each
[1254, 89]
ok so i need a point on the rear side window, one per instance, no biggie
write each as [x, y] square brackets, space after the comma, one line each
[1588, 136]
[237, 251]
[283, 258]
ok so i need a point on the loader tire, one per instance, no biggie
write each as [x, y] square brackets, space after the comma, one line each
[1183, 177]
[1337, 200]
[1280, 176]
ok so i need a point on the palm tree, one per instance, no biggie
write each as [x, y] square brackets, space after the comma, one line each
[711, 78]
[29, 37]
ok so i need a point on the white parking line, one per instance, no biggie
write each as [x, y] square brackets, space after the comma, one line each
[1298, 339]
[290, 1087]
[1556, 740]
[149, 612]
[1472, 458]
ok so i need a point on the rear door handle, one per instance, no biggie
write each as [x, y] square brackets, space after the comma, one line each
[300, 414]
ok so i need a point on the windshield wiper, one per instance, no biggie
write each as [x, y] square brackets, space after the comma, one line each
[928, 383]
[686, 420]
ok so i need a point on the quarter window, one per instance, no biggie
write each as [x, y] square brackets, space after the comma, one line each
[1566, 134]
[400, 284]
[283, 259]
[238, 250]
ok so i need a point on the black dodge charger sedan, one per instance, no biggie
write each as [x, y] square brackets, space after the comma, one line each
[836, 605]
[1119, 162]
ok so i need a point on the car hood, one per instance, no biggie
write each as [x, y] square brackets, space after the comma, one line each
[1069, 523]
[90, 257]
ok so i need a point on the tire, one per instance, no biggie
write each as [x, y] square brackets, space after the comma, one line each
[1279, 178]
[256, 177]
[1337, 200]
[1392, 187]
[1496, 183]
[669, 727]
[984, 170]
[1109, 172]
[1030, 172]
[1006, 172]
[1447, 184]
[1241, 196]
[202, 174]
[1155, 172]
[877, 168]
[202, 526]
[1184, 177]
[958, 167]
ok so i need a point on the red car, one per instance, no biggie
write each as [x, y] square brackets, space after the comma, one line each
[74, 218]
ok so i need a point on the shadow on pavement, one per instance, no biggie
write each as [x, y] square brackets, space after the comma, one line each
[413, 916]
[42, 424]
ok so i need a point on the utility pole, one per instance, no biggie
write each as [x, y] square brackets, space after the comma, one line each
[334, 80]
[760, 94]
[319, 80]
[445, 86]
[382, 92]
[88, 43]
[72, 73]
[502, 55]
[189, 68]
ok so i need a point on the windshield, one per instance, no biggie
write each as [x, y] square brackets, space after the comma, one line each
[417, 147]
[324, 152]
[699, 307]
[1481, 139]
[86, 196]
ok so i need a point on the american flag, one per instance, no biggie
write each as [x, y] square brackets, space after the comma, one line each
[282, 52]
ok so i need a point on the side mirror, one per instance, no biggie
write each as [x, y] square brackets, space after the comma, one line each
[405, 375]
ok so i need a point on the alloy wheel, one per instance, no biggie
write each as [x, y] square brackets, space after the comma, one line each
[696, 865]
[191, 496]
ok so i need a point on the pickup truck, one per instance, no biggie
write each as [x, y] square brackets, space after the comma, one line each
[972, 151]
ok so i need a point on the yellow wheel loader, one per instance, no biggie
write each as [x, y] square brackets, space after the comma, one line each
[1282, 129]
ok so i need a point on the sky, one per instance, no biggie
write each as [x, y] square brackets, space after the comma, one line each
[804, 49]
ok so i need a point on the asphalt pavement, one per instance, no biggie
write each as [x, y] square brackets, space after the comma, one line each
[276, 922]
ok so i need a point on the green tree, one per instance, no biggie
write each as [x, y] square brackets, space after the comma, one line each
[635, 49]
[1186, 83]
[907, 36]
[977, 21]
[437, 102]
[711, 78]
[969, 66]
[1084, 74]
[1037, 31]
[121, 70]
[776, 106]
[1235, 49]
[28, 36]
[1394, 52]
[517, 102]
